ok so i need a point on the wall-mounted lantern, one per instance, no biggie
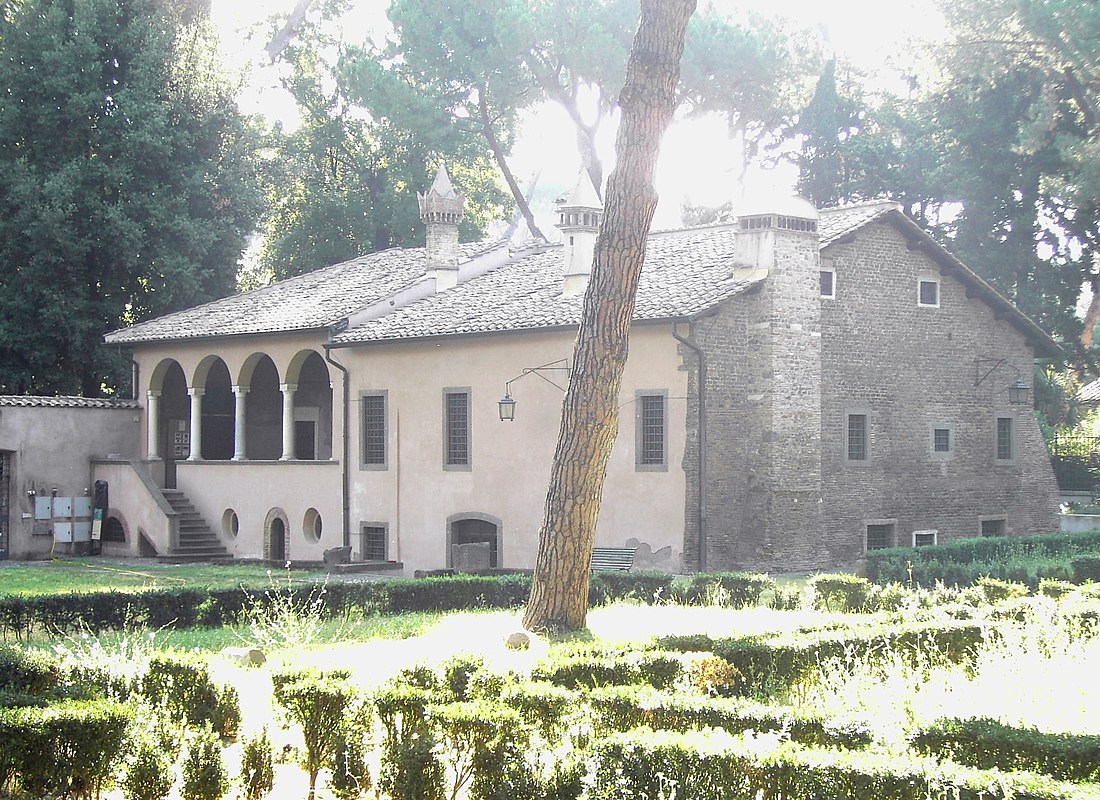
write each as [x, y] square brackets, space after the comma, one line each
[1017, 392]
[506, 406]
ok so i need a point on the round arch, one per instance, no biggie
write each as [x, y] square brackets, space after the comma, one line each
[276, 535]
[160, 371]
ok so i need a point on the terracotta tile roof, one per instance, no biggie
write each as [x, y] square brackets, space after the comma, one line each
[685, 272]
[313, 300]
[34, 401]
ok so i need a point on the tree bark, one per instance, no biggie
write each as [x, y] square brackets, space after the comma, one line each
[281, 41]
[502, 163]
[589, 422]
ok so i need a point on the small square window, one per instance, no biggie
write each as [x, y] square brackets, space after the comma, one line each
[857, 437]
[992, 527]
[928, 293]
[941, 440]
[828, 283]
[925, 538]
[880, 536]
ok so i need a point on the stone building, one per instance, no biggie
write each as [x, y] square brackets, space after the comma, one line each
[801, 386]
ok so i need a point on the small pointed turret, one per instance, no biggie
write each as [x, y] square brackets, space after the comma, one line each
[579, 221]
[441, 210]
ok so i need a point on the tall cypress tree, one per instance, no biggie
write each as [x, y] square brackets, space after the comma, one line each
[127, 187]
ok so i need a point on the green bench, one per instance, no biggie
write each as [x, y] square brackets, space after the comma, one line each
[612, 559]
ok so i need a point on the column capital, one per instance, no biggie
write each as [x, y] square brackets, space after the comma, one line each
[288, 388]
[196, 391]
[239, 390]
[152, 393]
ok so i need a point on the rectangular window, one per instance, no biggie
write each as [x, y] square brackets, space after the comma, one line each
[650, 422]
[880, 535]
[373, 413]
[924, 538]
[928, 293]
[456, 429]
[828, 283]
[1005, 444]
[993, 527]
[372, 543]
[857, 437]
[941, 440]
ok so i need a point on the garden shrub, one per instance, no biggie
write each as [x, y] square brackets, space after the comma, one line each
[713, 675]
[409, 767]
[181, 685]
[716, 766]
[457, 673]
[148, 774]
[785, 598]
[257, 766]
[840, 592]
[643, 586]
[203, 775]
[586, 671]
[350, 778]
[737, 589]
[1055, 589]
[621, 708]
[28, 672]
[1086, 568]
[71, 748]
[485, 742]
[319, 705]
[542, 706]
[988, 744]
[998, 591]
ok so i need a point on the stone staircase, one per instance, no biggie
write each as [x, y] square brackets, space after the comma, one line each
[197, 542]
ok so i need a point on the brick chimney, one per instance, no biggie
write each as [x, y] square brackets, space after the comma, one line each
[578, 220]
[441, 210]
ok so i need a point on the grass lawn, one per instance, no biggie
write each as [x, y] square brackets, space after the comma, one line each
[97, 574]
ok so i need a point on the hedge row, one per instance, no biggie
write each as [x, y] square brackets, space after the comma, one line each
[69, 749]
[714, 766]
[766, 665]
[959, 562]
[987, 744]
[185, 608]
[622, 708]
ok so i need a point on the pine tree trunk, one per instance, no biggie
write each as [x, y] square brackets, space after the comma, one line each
[589, 423]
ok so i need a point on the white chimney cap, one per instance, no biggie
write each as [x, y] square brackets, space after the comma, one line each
[781, 205]
[583, 195]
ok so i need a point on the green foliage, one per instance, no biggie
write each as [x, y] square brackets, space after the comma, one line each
[350, 778]
[542, 706]
[767, 665]
[644, 586]
[717, 766]
[609, 669]
[27, 672]
[712, 675]
[149, 771]
[203, 773]
[988, 744]
[485, 744]
[1054, 589]
[71, 749]
[1085, 568]
[257, 766]
[621, 708]
[997, 591]
[181, 685]
[319, 704]
[840, 592]
[737, 589]
[127, 185]
[1026, 559]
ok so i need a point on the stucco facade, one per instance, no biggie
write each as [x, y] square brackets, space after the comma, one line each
[799, 389]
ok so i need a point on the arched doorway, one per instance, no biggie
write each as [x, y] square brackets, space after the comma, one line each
[473, 542]
[263, 409]
[174, 418]
[312, 406]
[212, 377]
[275, 545]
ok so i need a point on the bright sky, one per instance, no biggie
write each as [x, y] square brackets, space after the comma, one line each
[697, 161]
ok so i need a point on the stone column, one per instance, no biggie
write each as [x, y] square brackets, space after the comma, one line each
[239, 395]
[196, 424]
[152, 423]
[288, 390]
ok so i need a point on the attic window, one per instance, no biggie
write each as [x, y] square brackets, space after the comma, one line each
[928, 293]
[828, 283]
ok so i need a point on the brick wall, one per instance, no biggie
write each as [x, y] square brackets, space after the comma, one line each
[785, 368]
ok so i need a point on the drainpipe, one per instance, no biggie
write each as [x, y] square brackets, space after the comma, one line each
[700, 389]
[344, 478]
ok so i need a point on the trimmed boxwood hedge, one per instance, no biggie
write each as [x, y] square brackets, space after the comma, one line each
[716, 766]
[988, 744]
[767, 664]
